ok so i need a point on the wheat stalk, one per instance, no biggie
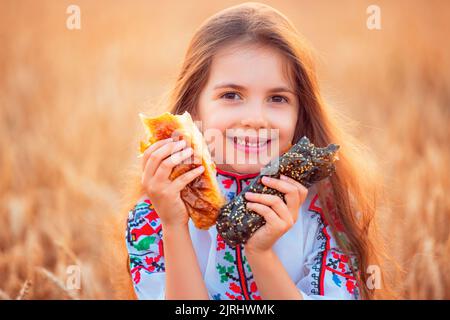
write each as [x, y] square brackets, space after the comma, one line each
[57, 283]
[24, 290]
[72, 256]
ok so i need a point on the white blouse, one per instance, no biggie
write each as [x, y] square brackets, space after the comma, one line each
[308, 252]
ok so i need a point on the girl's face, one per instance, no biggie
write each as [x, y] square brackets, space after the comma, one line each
[248, 108]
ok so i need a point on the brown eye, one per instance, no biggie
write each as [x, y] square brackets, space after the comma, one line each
[279, 99]
[230, 96]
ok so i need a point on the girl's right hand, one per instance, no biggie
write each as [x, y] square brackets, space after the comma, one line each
[158, 161]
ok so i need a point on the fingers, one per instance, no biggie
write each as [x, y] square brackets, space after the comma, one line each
[152, 148]
[301, 192]
[286, 185]
[195, 159]
[295, 192]
[182, 181]
[272, 219]
[275, 202]
[295, 183]
[165, 168]
[161, 153]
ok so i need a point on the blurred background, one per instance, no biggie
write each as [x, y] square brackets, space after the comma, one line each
[69, 129]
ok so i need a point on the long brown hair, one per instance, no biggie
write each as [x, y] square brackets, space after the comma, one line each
[355, 187]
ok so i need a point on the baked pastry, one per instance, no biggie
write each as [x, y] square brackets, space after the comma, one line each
[303, 162]
[202, 197]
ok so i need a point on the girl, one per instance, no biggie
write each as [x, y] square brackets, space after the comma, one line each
[247, 70]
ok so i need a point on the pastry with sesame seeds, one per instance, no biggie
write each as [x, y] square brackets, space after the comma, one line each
[303, 162]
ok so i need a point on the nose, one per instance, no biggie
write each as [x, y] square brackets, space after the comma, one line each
[255, 117]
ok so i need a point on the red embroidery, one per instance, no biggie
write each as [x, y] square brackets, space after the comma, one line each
[145, 230]
[150, 261]
[136, 271]
[342, 259]
[227, 183]
[324, 261]
[233, 297]
[331, 206]
[151, 216]
[220, 242]
[137, 276]
[253, 287]
[241, 271]
[350, 285]
[145, 225]
[254, 291]
[232, 268]
[161, 247]
[235, 288]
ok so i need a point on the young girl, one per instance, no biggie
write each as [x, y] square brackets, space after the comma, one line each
[248, 70]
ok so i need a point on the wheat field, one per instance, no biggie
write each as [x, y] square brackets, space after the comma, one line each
[69, 129]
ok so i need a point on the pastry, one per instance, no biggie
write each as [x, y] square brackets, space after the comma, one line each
[202, 197]
[303, 162]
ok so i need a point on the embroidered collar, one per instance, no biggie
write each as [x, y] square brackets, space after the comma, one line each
[237, 176]
[232, 265]
[231, 184]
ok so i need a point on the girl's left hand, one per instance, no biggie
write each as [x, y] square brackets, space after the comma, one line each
[279, 216]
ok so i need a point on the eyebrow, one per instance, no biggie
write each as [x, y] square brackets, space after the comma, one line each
[242, 88]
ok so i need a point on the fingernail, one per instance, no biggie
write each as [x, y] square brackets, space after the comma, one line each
[265, 179]
[283, 177]
[248, 194]
[200, 168]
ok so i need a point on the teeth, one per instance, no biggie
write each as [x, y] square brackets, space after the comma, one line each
[242, 142]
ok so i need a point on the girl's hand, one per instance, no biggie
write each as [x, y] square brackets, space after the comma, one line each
[158, 161]
[279, 216]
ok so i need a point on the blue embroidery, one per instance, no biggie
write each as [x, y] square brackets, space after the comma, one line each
[337, 280]
[231, 195]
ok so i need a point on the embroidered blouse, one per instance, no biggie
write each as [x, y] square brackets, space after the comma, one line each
[308, 252]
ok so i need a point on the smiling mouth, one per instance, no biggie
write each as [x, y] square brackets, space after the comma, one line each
[250, 144]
